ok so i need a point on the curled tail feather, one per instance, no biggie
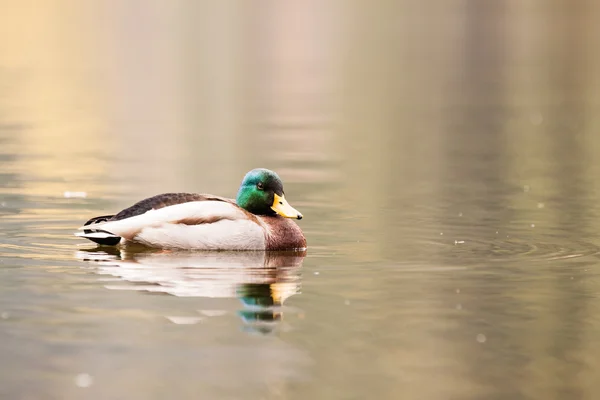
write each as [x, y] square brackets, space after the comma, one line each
[98, 235]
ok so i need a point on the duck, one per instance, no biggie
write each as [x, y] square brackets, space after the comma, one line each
[260, 218]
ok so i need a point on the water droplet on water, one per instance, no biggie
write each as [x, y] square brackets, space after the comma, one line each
[75, 195]
[481, 338]
[460, 214]
[316, 273]
[213, 313]
[84, 380]
[457, 290]
[184, 320]
[441, 233]
[533, 225]
[347, 302]
[459, 306]
[541, 205]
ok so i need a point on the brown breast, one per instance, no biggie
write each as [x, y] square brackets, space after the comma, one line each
[283, 234]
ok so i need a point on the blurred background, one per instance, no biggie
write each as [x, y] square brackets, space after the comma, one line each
[444, 155]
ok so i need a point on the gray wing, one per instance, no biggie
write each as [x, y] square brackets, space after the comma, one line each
[165, 200]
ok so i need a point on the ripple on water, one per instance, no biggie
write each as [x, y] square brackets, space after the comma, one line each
[516, 249]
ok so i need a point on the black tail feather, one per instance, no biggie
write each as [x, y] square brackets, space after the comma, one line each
[112, 240]
[102, 218]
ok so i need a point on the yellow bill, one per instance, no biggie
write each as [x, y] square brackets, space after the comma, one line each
[283, 208]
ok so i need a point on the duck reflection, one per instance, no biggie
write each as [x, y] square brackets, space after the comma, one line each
[262, 281]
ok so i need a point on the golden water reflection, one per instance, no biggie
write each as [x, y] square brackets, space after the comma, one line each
[432, 146]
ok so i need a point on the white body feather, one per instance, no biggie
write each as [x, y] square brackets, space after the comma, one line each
[161, 228]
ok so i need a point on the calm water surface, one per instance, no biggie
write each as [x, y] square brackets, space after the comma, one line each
[446, 164]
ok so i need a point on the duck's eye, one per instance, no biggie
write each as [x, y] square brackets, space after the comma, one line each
[260, 186]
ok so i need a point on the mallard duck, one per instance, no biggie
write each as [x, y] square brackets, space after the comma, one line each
[259, 219]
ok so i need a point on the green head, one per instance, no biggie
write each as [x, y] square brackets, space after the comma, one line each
[261, 193]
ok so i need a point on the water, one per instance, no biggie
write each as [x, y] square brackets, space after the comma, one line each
[444, 155]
